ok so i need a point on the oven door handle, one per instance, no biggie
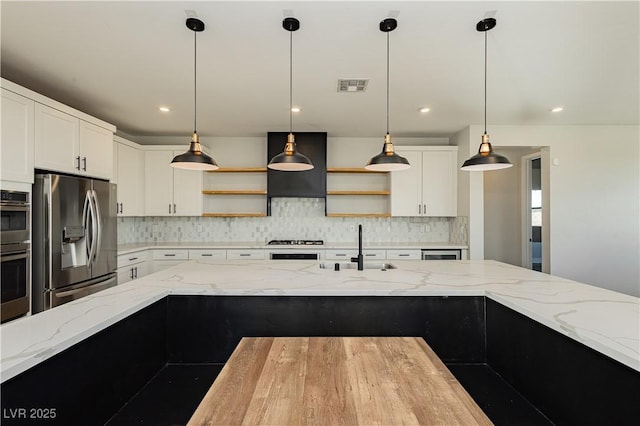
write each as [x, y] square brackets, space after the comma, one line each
[14, 256]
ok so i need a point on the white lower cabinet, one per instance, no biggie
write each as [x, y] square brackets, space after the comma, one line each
[348, 254]
[132, 266]
[246, 254]
[207, 254]
[404, 254]
[165, 258]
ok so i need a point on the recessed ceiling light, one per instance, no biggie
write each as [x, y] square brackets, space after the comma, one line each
[557, 109]
[164, 109]
[424, 109]
[295, 109]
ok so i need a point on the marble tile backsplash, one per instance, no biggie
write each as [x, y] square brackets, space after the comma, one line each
[291, 218]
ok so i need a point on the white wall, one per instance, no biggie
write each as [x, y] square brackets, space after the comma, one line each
[470, 193]
[594, 199]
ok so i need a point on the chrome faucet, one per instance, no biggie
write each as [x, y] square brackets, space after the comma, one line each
[360, 258]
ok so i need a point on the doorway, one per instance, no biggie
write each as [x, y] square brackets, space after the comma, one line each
[532, 212]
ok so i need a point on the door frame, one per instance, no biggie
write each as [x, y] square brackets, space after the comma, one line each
[525, 202]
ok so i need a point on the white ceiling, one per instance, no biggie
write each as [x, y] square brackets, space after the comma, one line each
[120, 60]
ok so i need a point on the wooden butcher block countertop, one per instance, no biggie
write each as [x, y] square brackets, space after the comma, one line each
[336, 381]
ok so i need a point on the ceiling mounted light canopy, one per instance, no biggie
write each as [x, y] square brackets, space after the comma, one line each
[486, 159]
[290, 160]
[194, 158]
[387, 160]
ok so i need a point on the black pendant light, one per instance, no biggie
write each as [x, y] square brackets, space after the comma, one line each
[387, 160]
[290, 160]
[194, 158]
[486, 159]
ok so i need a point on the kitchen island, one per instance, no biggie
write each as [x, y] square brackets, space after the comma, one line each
[604, 322]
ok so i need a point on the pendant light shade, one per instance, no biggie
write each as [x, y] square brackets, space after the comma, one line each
[194, 158]
[290, 160]
[486, 159]
[387, 160]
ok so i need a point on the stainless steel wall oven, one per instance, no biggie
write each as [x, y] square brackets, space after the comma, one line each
[15, 263]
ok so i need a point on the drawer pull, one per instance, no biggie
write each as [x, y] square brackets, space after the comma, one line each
[341, 254]
[245, 254]
[131, 259]
[206, 255]
[370, 254]
[169, 255]
[404, 255]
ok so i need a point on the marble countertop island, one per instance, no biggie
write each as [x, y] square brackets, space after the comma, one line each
[604, 320]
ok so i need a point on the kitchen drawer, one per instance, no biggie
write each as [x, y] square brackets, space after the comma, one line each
[404, 254]
[348, 254]
[208, 254]
[170, 254]
[245, 254]
[132, 258]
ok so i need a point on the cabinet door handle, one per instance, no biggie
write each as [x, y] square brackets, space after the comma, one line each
[78, 164]
[131, 273]
[419, 208]
[174, 209]
[136, 268]
[424, 209]
[84, 164]
[169, 208]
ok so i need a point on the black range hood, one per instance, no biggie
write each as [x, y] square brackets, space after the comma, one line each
[304, 184]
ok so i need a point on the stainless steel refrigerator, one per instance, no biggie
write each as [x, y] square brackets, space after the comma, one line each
[74, 238]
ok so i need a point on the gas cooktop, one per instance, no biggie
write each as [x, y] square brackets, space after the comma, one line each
[295, 243]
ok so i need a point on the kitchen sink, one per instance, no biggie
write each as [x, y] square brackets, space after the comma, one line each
[353, 265]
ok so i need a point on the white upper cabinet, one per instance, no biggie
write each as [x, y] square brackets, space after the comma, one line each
[16, 154]
[65, 143]
[129, 170]
[429, 187]
[169, 191]
[96, 150]
[57, 136]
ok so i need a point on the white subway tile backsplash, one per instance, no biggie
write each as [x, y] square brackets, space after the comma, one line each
[291, 218]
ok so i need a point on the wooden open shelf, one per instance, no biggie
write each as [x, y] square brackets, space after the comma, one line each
[351, 170]
[234, 192]
[239, 170]
[358, 192]
[358, 215]
[234, 215]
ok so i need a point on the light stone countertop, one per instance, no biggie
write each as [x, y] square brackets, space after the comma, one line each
[604, 320]
[131, 248]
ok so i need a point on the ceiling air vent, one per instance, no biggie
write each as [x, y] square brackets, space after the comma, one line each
[352, 85]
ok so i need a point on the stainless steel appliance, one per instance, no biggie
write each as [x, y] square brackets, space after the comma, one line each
[444, 254]
[74, 235]
[14, 254]
[294, 255]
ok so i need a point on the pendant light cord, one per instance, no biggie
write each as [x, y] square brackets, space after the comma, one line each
[485, 82]
[195, 82]
[387, 82]
[290, 82]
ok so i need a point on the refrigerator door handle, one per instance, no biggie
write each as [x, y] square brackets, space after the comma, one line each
[98, 220]
[87, 212]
